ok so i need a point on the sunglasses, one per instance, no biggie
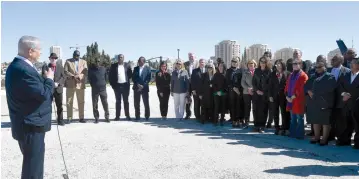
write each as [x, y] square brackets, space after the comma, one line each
[234, 61]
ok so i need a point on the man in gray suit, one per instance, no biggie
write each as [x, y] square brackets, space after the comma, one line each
[59, 79]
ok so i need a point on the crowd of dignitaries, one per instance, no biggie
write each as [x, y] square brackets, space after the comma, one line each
[293, 91]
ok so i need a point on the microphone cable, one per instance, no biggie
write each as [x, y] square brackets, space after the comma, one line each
[66, 175]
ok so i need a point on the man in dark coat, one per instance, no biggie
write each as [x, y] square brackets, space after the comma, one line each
[59, 79]
[338, 70]
[349, 90]
[141, 78]
[97, 77]
[349, 56]
[196, 81]
[119, 77]
[29, 97]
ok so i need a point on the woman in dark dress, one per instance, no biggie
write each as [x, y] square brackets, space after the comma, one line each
[260, 84]
[163, 81]
[206, 94]
[277, 98]
[220, 91]
[320, 94]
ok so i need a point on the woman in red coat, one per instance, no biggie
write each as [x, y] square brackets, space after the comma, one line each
[295, 96]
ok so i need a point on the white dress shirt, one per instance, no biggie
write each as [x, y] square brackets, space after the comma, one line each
[141, 69]
[353, 76]
[121, 75]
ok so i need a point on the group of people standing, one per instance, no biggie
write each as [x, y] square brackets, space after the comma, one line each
[290, 91]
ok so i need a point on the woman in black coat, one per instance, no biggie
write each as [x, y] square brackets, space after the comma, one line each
[220, 91]
[277, 97]
[320, 95]
[206, 94]
[260, 84]
[163, 81]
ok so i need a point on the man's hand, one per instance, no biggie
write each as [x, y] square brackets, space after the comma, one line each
[219, 93]
[140, 87]
[161, 94]
[49, 74]
[194, 92]
[310, 93]
[56, 85]
[259, 92]
[346, 96]
[271, 99]
[200, 97]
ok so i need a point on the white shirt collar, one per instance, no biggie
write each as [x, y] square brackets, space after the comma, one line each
[25, 59]
[355, 74]
[338, 67]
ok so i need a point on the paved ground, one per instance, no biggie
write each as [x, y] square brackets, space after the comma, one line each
[171, 149]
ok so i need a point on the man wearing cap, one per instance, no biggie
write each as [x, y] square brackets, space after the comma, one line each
[349, 90]
[59, 79]
[76, 72]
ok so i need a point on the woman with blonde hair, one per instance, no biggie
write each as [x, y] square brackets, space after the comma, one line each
[246, 83]
[179, 88]
[206, 94]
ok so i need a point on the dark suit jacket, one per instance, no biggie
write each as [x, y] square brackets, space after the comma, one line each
[113, 74]
[196, 79]
[276, 86]
[338, 98]
[29, 97]
[352, 88]
[142, 79]
[163, 82]
[59, 76]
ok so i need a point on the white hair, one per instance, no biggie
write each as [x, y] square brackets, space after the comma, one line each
[26, 43]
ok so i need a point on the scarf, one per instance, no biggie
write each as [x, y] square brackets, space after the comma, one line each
[293, 79]
[252, 72]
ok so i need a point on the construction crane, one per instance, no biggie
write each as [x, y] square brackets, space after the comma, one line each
[77, 47]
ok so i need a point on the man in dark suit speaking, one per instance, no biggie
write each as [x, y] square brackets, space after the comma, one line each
[29, 97]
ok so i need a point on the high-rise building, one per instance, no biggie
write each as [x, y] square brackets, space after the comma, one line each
[331, 54]
[285, 53]
[256, 51]
[57, 50]
[227, 49]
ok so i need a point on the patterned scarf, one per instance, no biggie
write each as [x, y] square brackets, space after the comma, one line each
[293, 79]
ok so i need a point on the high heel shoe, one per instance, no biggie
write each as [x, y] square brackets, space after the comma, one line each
[314, 141]
[323, 143]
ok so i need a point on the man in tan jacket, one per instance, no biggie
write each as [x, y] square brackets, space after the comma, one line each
[76, 72]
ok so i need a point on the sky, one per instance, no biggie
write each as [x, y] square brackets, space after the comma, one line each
[153, 29]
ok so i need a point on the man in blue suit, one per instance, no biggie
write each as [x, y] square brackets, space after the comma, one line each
[29, 96]
[141, 77]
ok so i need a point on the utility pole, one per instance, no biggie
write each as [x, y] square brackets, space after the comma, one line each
[178, 50]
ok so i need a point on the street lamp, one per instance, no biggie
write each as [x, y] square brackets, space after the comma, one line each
[178, 50]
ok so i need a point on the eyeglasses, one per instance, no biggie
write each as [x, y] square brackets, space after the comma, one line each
[234, 61]
[317, 67]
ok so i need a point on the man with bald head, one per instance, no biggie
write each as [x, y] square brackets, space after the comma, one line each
[29, 96]
[349, 56]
